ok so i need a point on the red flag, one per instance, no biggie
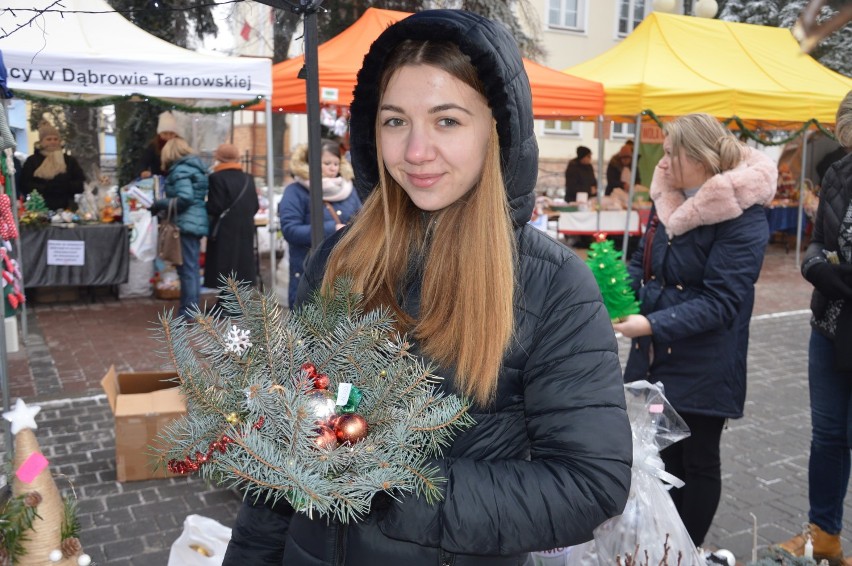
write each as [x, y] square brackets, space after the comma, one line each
[246, 31]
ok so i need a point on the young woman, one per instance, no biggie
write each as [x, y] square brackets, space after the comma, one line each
[186, 188]
[151, 162]
[695, 271]
[294, 210]
[445, 156]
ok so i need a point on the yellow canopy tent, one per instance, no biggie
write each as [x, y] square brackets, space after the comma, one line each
[675, 65]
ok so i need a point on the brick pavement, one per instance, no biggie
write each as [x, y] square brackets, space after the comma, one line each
[70, 347]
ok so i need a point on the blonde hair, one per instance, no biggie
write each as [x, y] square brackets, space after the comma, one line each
[843, 122]
[174, 149]
[465, 253]
[703, 139]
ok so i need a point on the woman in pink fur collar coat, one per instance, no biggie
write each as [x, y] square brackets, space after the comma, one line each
[694, 272]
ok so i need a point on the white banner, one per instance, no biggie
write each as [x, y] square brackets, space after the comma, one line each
[206, 79]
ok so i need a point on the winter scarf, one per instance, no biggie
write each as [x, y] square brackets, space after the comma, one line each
[227, 165]
[723, 196]
[53, 165]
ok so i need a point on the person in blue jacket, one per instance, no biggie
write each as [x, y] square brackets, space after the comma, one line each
[695, 271]
[445, 158]
[340, 204]
[186, 186]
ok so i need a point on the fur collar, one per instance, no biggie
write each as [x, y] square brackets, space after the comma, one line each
[722, 197]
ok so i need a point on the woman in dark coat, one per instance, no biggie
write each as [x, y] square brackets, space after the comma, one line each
[55, 175]
[508, 316]
[231, 205]
[151, 161]
[828, 267]
[580, 175]
[695, 271]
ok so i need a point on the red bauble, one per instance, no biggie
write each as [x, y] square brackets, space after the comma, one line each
[320, 381]
[309, 369]
[326, 439]
[350, 427]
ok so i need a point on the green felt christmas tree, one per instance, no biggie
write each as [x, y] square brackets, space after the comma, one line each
[35, 203]
[323, 407]
[612, 277]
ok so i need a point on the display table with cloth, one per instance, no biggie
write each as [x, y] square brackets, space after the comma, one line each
[784, 218]
[585, 223]
[90, 255]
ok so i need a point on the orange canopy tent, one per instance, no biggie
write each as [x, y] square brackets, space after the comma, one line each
[555, 94]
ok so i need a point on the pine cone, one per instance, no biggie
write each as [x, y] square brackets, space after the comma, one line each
[70, 547]
[32, 499]
[5, 560]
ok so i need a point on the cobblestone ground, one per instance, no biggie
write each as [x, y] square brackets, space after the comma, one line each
[70, 347]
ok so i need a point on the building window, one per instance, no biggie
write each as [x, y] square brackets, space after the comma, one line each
[621, 130]
[561, 127]
[630, 14]
[565, 14]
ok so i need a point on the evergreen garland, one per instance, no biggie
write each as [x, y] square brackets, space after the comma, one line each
[612, 278]
[16, 519]
[256, 396]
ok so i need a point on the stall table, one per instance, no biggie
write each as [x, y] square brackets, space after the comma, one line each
[79, 255]
[585, 223]
[784, 219]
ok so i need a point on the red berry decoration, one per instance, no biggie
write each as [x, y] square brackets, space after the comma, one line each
[350, 427]
[309, 369]
[326, 438]
[320, 381]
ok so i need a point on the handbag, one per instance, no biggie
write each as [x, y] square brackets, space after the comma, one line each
[168, 238]
[215, 231]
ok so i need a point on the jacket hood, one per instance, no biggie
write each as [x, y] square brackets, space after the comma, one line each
[299, 164]
[494, 53]
[722, 197]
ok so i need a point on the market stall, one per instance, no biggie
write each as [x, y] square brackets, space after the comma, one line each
[85, 52]
[755, 77]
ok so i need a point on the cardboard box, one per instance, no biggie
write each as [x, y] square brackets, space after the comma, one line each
[143, 403]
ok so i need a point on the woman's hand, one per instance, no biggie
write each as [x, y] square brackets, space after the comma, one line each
[634, 326]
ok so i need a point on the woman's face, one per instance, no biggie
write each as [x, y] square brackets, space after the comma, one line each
[330, 164]
[681, 171]
[50, 143]
[434, 131]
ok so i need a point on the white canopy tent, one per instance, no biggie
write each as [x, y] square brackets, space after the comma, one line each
[84, 50]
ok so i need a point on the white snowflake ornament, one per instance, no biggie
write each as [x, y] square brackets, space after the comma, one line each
[22, 416]
[237, 341]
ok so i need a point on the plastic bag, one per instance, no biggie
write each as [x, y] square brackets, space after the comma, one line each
[650, 523]
[203, 542]
[143, 235]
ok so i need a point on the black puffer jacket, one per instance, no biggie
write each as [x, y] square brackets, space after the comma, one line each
[835, 198]
[550, 460]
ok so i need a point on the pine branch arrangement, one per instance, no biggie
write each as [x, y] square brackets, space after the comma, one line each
[17, 513]
[269, 410]
[612, 278]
